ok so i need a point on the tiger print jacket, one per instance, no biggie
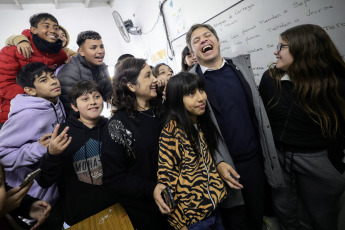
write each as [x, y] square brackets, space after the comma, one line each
[194, 178]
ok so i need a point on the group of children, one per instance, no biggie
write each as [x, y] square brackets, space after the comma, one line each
[54, 123]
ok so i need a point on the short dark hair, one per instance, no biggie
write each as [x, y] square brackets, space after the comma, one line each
[27, 75]
[89, 34]
[81, 88]
[196, 26]
[36, 18]
[123, 57]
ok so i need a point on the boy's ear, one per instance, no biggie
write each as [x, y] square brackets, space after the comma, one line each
[31, 91]
[33, 30]
[131, 87]
[74, 108]
[80, 50]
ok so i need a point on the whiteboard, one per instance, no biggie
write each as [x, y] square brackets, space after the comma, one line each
[253, 26]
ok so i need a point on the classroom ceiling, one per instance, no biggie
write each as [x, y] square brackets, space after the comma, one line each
[87, 3]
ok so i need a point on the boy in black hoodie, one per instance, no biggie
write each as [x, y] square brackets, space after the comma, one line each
[76, 167]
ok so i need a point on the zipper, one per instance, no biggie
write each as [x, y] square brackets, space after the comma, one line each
[208, 174]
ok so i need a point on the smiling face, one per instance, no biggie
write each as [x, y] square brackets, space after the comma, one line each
[47, 30]
[165, 72]
[145, 88]
[62, 37]
[206, 47]
[89, 106]
[284, 57]
[93, 51]
[47, 86]
[190, 59]
[195, 103]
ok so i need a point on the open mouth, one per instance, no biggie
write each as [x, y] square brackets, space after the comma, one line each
[207, 48]
[93, 109]
[53, 37]
[99, 58]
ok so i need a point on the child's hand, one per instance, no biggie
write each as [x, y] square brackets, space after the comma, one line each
[163, 207]
[68, 59]
[58, 143]
[13, 198]
[45, 139]
[39, 211]
[25, 48]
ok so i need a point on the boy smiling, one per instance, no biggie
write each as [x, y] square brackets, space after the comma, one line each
[77, 168]
[43, 37]
[87, 65]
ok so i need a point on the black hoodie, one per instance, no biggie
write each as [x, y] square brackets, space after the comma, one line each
[78, 172]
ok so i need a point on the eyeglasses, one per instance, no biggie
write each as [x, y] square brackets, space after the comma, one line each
[280, 46]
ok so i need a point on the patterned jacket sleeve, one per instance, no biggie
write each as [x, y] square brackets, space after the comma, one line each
[169, 157]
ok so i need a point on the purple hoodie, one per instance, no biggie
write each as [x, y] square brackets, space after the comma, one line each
[29, 119]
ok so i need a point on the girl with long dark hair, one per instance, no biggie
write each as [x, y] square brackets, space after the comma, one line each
[304, 95]
[186, 148]
[188, 60]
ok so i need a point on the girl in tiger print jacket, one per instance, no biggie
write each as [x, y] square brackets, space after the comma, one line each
[185, 162]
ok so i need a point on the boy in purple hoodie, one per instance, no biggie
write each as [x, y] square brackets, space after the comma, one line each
[25, 136]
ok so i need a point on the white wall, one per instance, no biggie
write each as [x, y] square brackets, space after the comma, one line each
[74, 17]
[151, 41]
[144, 13]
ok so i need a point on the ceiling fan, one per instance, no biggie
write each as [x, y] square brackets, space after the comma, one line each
[126, 27]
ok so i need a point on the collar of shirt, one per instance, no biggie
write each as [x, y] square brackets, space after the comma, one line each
[285, 78]
[204, 68]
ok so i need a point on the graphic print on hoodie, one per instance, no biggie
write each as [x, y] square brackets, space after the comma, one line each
[87, 163]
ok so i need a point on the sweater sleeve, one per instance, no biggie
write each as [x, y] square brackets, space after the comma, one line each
[16, 149]
[16, 39]
[118, 173]
[265, 87]
[51, 167]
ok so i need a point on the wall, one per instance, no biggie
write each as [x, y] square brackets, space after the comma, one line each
[153, 41]
[253, 26]
[74, 17]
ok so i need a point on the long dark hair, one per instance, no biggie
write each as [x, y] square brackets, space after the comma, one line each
[178, 86]
[127, 72]
[314, 71]
[184, 65]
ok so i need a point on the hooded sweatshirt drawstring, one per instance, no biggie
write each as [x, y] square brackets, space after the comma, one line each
[56, 115]
[85, 149]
